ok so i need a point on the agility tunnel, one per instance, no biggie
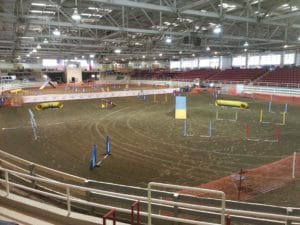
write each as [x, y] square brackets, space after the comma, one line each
[48, 105]
[16, 91]
[231, 103]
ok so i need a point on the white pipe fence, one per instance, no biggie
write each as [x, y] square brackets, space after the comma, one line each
[69, 199]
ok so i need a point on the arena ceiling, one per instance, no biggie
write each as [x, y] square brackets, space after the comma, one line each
[140, 28]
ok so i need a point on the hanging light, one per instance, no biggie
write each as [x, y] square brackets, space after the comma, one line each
[118, 51]
[45, 41]
[208, 48]
[168, 40]
[38, 46]
[34, 50]
[75, 15]
[56, 32]
[217, 29]
[246, 44]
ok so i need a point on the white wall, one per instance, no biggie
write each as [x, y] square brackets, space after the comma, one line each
[297, 60]
[6, 66]
[74, 72]
[225, 62]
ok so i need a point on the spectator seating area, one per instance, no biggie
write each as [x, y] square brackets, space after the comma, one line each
[236, 75]
[202, 74]
[282, 75]
[239, 75]
[157, 74]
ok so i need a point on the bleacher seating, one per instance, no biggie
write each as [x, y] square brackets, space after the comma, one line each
[202, 74]
[282, 75]
[156, 74]
[239, 75]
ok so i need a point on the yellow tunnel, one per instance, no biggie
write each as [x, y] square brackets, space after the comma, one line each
[231, 103]
[47, 105]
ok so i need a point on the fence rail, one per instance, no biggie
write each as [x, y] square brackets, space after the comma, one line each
[106, 196]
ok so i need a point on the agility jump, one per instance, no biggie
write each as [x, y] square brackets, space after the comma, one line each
[261, 116]
[233, 119]
[187, 134]
[93, 161]
[276, 135]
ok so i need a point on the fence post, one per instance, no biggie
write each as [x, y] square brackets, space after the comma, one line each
[68, 201]
[228, 219]
[110, 214]
[137, 206]
[6, 182]
[32, 173]
[288, 212]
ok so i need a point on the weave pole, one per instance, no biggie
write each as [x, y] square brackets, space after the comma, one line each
[270, 106]
[93, 161]
[286, 108]
[294, 165]
[184, 128]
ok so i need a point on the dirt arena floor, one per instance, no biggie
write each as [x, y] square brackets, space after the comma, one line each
[147, 143]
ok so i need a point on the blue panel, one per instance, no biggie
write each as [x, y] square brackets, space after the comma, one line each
[180, 102]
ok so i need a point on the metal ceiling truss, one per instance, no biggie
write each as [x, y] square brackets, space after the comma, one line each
[143, 24]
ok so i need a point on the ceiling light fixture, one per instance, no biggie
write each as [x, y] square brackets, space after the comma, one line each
[208, 48]
[45, 41]
[56, 32]
[168, 40]
[34, 50]
[160, 54]
[118, 51]
[246, 44]
[38, 46]
[217, 29]
[75, 15]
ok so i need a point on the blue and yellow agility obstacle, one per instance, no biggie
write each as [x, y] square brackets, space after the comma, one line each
[180, 107]
[93, 161]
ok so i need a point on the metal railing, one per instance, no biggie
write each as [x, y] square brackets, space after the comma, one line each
[237, 211]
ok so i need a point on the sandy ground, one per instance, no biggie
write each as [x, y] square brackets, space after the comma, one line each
[147, 143]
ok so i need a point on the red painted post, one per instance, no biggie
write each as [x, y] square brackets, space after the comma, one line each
[111, 214]
[137, 206]
[247, 131]
[227, 219]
